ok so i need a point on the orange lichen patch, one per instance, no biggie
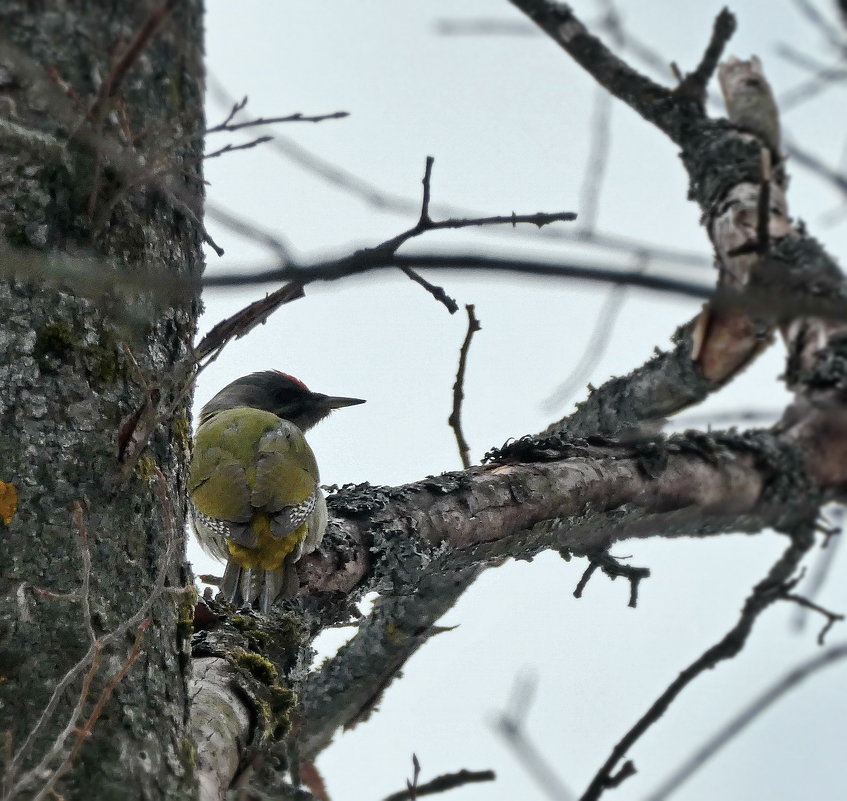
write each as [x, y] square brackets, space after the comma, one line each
[8, 502]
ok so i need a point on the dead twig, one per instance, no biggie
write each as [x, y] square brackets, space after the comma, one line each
[89, 662]
[436, 291]
[230, 148]
[831, 617]
[744, 718]
[145, 34]
[85, 731]
[510, 725]
[455, 419]
[443, 783]
[412, 786]
[694, 84]
[229, 126]
[770, 589]
[613, 568]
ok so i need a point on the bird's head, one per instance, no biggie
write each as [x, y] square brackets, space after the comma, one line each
[280, 394]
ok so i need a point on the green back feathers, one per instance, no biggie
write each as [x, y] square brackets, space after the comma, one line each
[246, 460]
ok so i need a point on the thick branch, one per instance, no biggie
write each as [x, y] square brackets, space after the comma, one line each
[575, 496]
[657, 104]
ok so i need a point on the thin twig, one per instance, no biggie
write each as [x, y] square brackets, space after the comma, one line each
[770, 589]
[694, 84]
[426, 223]
[84, 731]
[743, 719]
[821, 568]
[243, 321]
[831, 617]
[510, 725]
[113, 80]
[425, 219]
[455, 419]
[447, 781]
[412, 786]
[382, 200]
[613, 568]
[229, 126]
[230, 148]
[172, 542]
[436, 291]
[77, 515]
[249, 230]
[598, 341]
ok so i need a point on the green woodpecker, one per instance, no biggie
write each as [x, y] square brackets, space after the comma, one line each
[255, 500]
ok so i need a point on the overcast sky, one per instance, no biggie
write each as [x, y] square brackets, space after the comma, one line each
[508, 119]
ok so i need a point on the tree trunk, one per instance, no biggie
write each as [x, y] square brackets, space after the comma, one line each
[100, 153]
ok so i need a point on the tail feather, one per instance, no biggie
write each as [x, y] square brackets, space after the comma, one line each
[256, 587]
[231, 583]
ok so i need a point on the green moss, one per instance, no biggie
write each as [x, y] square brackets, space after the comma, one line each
[396, 636]
[185, 615]
[289, 632]
[146, 467]
[54, 341]
[188, 753]
[282, 703]
[257, 666]
[282, 699]
[184, 630]
[181, 430]
[104, 363]
[247, 626]
[273, 702]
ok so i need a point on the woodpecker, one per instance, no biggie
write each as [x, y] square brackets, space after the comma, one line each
[255, 499]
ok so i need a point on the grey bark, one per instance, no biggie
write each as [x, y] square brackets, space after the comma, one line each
[99, 643]
[94, 602]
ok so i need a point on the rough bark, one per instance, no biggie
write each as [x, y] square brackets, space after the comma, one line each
[94, 608]
[93, 656]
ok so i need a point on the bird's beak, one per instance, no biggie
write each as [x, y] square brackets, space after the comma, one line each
[339, 403]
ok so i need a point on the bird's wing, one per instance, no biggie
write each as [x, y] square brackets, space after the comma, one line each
[286, 471]
[219, 485]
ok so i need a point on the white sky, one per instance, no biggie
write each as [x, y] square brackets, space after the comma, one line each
[507, 119]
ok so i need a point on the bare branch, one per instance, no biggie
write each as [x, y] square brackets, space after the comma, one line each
[443, 783]
[229, 126]
[655, 103]
[436, 291]
[376, 259]
[598, 341]
[694, 84]
[740, 722]
[455, 419]
[768, 590]
[231, 148]
[510, 726]
[388, 202]
[613, 568]
[831, 617]
[244, 321]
